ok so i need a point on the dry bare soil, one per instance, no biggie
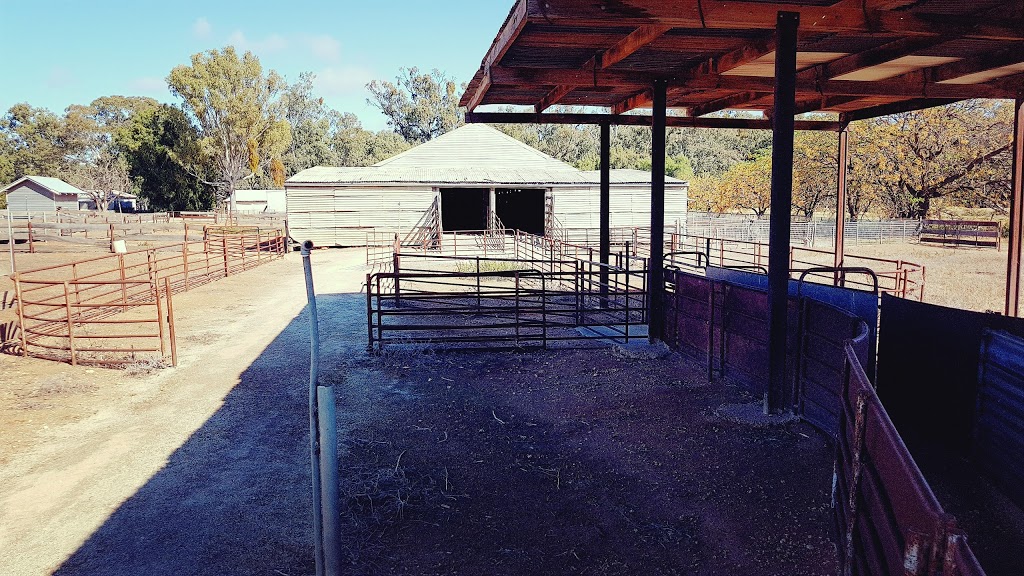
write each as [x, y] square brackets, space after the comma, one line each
[557, 462]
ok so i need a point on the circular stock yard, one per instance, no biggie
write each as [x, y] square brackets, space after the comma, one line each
[565, 461]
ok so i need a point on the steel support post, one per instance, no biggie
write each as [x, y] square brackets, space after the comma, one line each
[1013, 267]
[656, 274]
[843, 162]
[781, 207]
[606, 229]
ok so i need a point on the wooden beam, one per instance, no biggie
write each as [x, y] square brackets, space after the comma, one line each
[896, 108]
[722, 63]
[553, 97]
[640, 120]
[914, 85]
[868, 58]
[842, 17]
[718, 104]
[502, 42]
[621, 50]
[638, 100]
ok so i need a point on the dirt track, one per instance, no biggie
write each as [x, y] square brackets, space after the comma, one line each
[88, 446]
[559, 462]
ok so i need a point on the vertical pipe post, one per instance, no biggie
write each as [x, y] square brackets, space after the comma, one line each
[656, 274]
[21, 314]
[1013, 266]
[159, 318]
[781, 206]
[71, 325]
[605, 242]
[31, 239]
[170, 322]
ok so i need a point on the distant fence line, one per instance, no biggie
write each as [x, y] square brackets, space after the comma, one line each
[812, 233]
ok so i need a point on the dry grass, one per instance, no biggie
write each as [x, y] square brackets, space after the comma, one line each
[961, 277]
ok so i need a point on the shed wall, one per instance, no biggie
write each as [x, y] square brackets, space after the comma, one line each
[342, 216]
[31, 197]
[630, 206]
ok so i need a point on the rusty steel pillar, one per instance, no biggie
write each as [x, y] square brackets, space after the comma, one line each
[843, 161]
[656, 274]
[605, 208]
[1013, 271]
[781, 208]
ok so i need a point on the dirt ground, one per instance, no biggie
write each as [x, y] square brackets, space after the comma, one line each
[558, 462]
[961, 277]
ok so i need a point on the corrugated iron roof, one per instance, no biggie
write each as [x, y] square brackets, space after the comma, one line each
[55, 185]
[471, 154]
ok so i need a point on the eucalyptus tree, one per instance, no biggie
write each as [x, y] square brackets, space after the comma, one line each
[239, 116]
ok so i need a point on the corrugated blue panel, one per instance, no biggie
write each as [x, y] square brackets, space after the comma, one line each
[999, 421]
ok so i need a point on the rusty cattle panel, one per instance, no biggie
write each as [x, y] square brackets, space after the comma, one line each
[689, 314]
[999, 421]
[743, 349]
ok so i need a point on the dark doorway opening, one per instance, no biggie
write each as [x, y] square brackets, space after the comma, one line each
[521, 209]
[464, 209]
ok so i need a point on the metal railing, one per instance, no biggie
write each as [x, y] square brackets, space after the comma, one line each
[511, 302]
[123, 297]
[897, 277]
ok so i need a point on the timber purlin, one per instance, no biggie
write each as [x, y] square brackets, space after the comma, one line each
[858, 58]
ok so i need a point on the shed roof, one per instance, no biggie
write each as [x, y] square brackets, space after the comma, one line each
[860, 58]
[54, 185]
[474, 154]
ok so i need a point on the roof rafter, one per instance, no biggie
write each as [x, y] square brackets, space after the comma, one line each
[639, 120]
[509, 32]
[912, 85]
[723, 63]
[724, 14]
[621, 50]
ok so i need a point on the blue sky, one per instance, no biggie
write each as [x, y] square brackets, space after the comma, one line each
[61, 53]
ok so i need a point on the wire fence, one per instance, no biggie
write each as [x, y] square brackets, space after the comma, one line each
[805, 233]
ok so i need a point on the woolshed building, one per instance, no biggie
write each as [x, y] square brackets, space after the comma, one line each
[472, 179]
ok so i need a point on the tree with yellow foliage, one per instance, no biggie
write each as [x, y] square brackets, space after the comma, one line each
[239, 114]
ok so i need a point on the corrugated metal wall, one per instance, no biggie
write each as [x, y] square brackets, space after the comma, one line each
[30, 197]
[342, 216]
[999, 421]
[630, 206]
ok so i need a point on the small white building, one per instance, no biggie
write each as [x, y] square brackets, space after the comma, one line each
[462, 178]
[41, 194]
[260, 201]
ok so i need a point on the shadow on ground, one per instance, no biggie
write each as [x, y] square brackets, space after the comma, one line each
[539, 462]
[235, 497]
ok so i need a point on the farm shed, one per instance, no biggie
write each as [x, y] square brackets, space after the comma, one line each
[465, 179]
[122, 202]
[258, 201]
[41, 194]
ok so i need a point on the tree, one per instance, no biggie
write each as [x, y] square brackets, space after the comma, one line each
[239, 115]
[815, 169]
[704, 195]
[104, 179]
[910, 159]
[352, 145]
[419, 107]
[148, 143]
[312, 124]
[36, 143]
[747, 185]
